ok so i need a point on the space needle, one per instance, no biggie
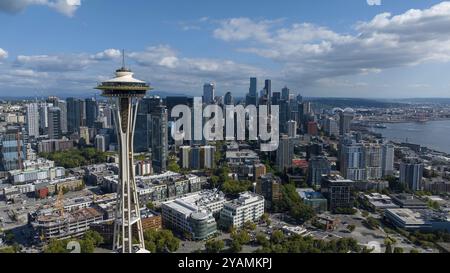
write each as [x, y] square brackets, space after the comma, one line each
[125, 92]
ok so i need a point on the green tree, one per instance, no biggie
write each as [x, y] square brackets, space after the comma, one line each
[388, 242]
[292, 203]
[372, 223]
[9, 237]
[262, 240]
[150, 205]
[56, 246]
[249, 225]
[94, 237]
[173, 166]
[241, 236]
[215, 181]
[265, 217]
[398, 250]
[214, 246]
[233, 187]
[351, 228]
[277, 237]
[236, 247]
[9, 249]
[157, 241]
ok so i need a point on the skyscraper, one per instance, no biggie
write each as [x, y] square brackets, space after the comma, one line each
[126, 91]
[253, 91]
[292, 128]
[209, 93]
[252, 96]
[32, 119]
[43, 118]
[159, 138]
[411, 173]
[91, 112]
[62, 105]
[373, 160]
[285, 93]
[268, 88]
[361, 160]
[151, 131]
[285, 153]
[318, 166]
[207, 157]
[12, 149]
[331, 127]
[352, 160]
[388, 154]
[184, 156]
[284, 115]
[195, 158]
[73, 115]
[228, 99]
[54, 123]
[345, 119]
[100, 143]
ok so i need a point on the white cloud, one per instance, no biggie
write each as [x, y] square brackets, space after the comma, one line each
[240, 29]
[107, 54]
[54, 63]
[374, 2]
[169, 71]
[309, 52]
[28, 73]
[161, 65]
[161, 55]
[3, 54]
[66, 7]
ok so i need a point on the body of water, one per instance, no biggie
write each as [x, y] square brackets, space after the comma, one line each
[434, 134]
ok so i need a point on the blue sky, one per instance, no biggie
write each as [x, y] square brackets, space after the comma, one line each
[330, 48]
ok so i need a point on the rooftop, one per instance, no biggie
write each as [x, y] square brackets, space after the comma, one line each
[419, 216]
[196, 202]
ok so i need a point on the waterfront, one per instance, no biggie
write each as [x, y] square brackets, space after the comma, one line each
[433, 134]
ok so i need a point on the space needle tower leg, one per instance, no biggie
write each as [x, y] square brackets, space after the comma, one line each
[125, 92]
[127, 208]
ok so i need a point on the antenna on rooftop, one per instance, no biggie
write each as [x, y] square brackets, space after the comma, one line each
[123, 58]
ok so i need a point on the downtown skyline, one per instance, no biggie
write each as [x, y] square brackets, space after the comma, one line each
[392, 50]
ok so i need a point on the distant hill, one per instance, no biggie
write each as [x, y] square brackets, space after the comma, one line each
[355, 103]
[426, 100]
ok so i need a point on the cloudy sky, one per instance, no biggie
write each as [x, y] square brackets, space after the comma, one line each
[331, 48]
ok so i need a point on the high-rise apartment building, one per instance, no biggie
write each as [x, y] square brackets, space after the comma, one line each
[228, 99]
[252, 96]
[345, 119]
[292, 128]
[32, 119]
[352, 160]
[209, 93]
[54, 123]
[388, 154]
[285, 153]
[151, 131]
[411, 173]
[73, 115]
[91, 112]
[318, 167]
[12, 149]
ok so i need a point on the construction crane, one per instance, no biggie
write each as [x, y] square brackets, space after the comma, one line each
[59, 203]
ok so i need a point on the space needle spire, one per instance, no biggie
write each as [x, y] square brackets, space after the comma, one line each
[125, 92]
